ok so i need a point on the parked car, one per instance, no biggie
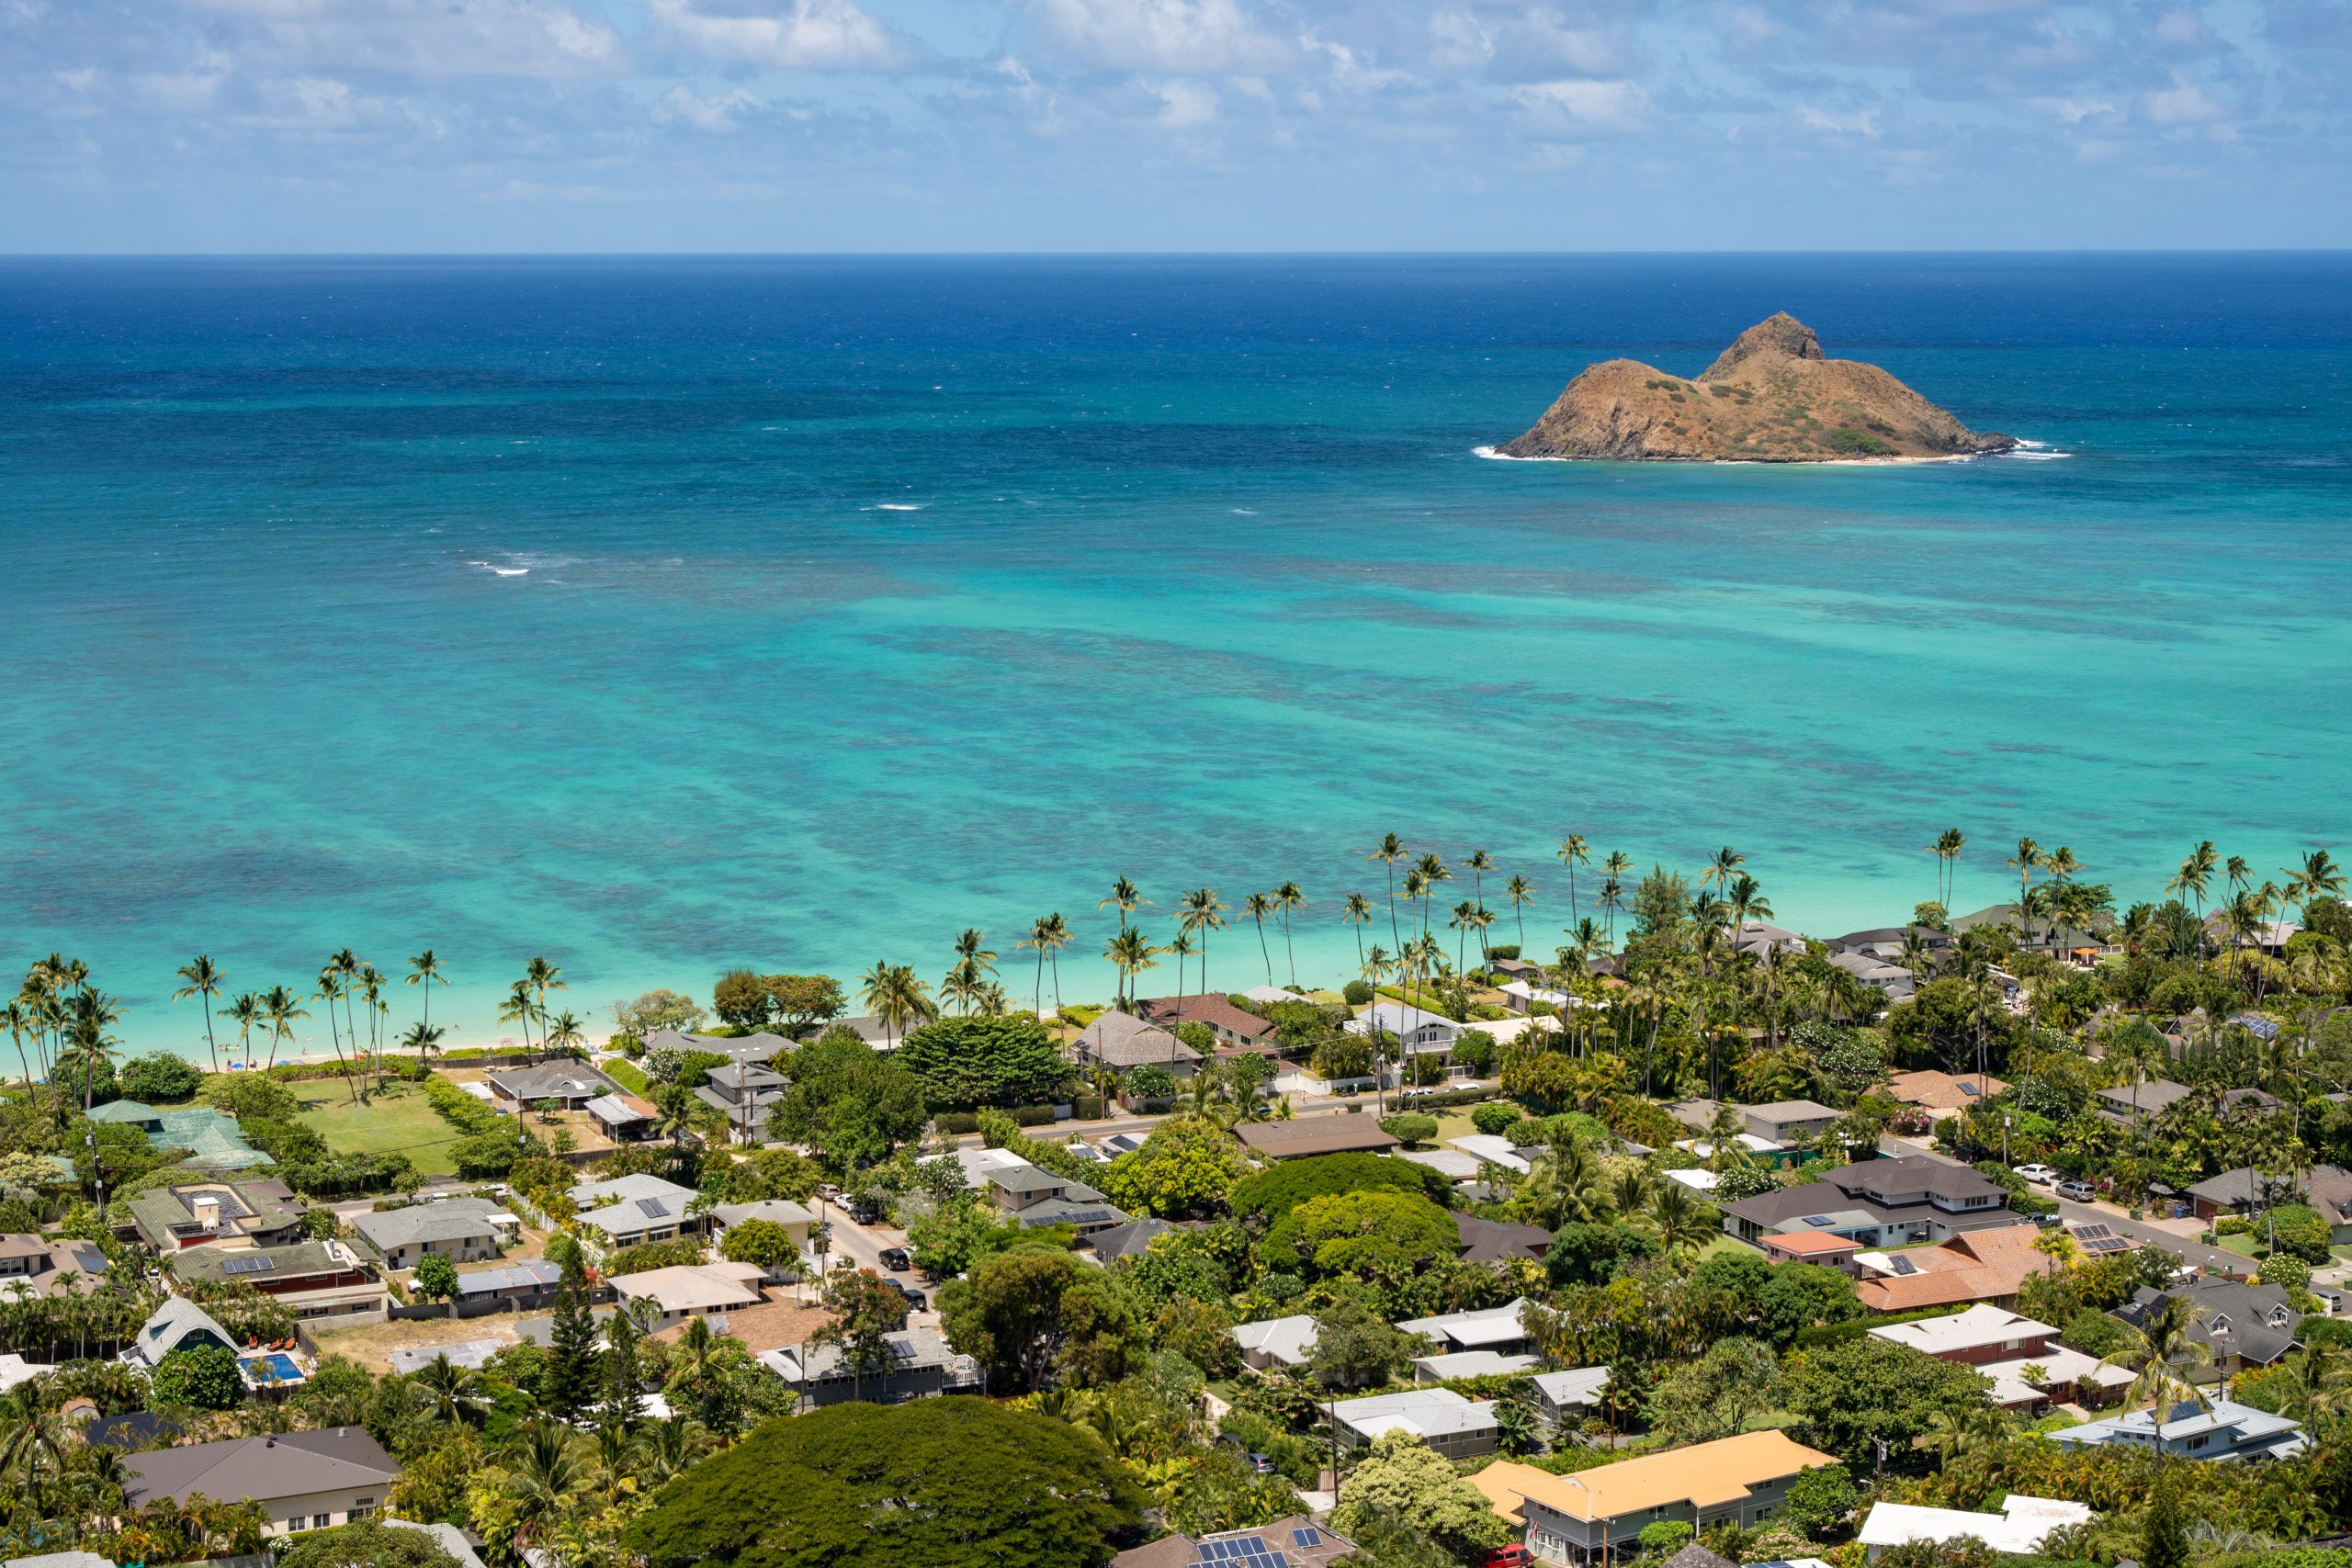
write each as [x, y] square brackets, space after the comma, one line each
[2040, 1175]
[1507, 1557]
[895, 1259]
[2077, 1190]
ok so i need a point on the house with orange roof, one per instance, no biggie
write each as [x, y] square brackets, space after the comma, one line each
[1825, 1248]
[1974, 1266]
[1597, 1515]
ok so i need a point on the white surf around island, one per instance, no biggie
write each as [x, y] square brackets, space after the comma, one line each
[2040, 451]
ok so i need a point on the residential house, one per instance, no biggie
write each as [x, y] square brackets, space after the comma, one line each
[2243, 1325]
[263, 1213]
[629, 1210]
[35, 1265]
[1039, 1197]
[1892, 980]
[1940, 1094]
[1974, 1266]
[761, 1048]
[1820, 1247]
[1418, 1033]
[519, 1287]
[1888, 942]
[1271, 996]
[1597, 1515]
[1496, 1329]
[1509, 969]
[1452, 1364]
[569, 1084]
[212, 1138]
[1125, 1041]
[1884, 1202]
[1129, 1240]
[2125, 1105]
[1276, 1342]
[1492, 1241]
[1788, 1121]
[1566, 1398]
[745, 1093]
[2028, 1369]
[693, 1290]
[1523, 996]
[1454, 1427]
[1493, 1148]
[624, 1118]
[305, 1480]
[2242, 1192]
[2018, 1529]
[2223, 1430]
[2330, 1193]
[798, 1222]
[2067, 941]
[919, 1365]
[463, 1230]
[1295, 1542]
[178, 1324]
[313, 1279]
[1758, 939]
[1228, 1023]
[473, 1355]
[1306, 1136]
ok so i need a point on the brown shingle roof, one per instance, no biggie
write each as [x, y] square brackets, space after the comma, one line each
[1209, 1009]
[1313, 1136]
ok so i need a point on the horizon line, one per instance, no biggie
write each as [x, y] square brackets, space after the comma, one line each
[1144, 254]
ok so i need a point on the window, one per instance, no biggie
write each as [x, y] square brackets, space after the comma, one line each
[360, 1503]
[293, 1524]
[320, 1521]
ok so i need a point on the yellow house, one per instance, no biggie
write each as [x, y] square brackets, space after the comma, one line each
[1595, 1515]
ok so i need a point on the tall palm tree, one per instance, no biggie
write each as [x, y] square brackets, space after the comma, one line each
[347, 966]
[200, 977]
[1573, 852]
[2164, 1360]
[1258, 906]
[330, 991]
[1480, 862]
[1433, 870]
[17, 1020]
[1130, 951]
[1357, 911]
[963, 985]
[1722, 867]
[1681, 1220]
[1290, 896]
[447, 1395]
[1183, 947]
[1948, 845]
[2025, 863]
[2318, 877]
[1465, 916]
[1126, 899]
[543, 978]
[281, 1007]
[1040, 931]
[1202, 912]
[425, 970]
[519, 1009]
[892, 992]
[1391, 850]
[1613, 898]
[371, 985]
[1521, 893]
[90, 1018]
[423, 1037]
[2195, 875]
[564, 1035]
[971, 946]
[245, 1010]
[1056, 938]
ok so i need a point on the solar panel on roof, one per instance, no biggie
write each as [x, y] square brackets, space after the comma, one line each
[651, 1208]
[248, 1266]
[1308, 1537]
[1902, 1266]
[1815, 1220]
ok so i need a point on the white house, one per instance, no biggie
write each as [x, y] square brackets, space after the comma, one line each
[1454, 1427]
[1490, 1328]
[1277, 1341]
[1420, 1033]
[2017, 1529]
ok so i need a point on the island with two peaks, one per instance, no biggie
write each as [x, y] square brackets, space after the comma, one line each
[1771, 397]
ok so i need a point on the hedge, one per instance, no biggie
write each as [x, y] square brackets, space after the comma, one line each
[951, 1123]
[1029, 1116]
[1822, 1334]
[1432, 1097]
[461, 1109]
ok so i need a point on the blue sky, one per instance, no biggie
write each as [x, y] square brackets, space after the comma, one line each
[1072, 125]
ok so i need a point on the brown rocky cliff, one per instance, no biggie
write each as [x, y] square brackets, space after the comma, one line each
[1771, 397]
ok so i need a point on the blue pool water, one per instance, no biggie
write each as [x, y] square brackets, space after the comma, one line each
[276, 1364]
[667, 615]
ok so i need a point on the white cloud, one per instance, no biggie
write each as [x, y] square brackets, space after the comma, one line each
[1581, 105]
[1862, 122]
[1185, 105]
[1188, 38]
[2075, 111]
[794, 35]
[426, 38]
[683, 105]
[2183, 103]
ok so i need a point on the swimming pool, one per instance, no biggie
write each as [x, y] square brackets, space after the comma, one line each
[276, 1366]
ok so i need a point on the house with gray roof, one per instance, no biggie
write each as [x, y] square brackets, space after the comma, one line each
[917, 1365]
[1276, 1342]
[1129, 1240]
[1570, 1396]
[2243, 1325]
[570, 1084]
[313, 1279]
[745, 1093]
[2223, 1430]
[1124, 1041]
[1454, 1427]
[1884, 1202]
[178, 1324]
[265, 1212]
[36, 1266]
[1086, 1216]
[629, 1210]
[463, 1230]
[304, 1480]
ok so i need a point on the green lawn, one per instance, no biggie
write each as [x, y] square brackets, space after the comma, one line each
[2245, 1246]
[626, 1073]
[398, 1121]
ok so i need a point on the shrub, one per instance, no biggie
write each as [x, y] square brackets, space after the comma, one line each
[955, 1123]
[653, 1255]
[2286, 1272]
[2233, 1224]
[1358, 993]
[205, 1377]
[2300, 1233]
[1494, 1119]
[435, 1276]
[160, 1076]
[1410, 1128]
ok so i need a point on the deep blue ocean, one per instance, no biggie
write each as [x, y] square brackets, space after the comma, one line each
[667, 615]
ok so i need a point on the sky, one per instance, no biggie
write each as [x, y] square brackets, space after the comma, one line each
[1171, 125]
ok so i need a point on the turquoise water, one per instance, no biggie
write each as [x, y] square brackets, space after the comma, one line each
[1203, 584]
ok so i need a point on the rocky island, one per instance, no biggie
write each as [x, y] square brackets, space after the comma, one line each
[1771, 397]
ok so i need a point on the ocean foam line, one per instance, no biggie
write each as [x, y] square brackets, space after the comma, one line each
[895, 506]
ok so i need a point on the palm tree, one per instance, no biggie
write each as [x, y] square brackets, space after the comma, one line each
[1465, 916]
[1183, 947]
[203, 979]
[1573, 852]
[2195, 876]
[1391, 850]
[447, 1394]
[1124, 898]
[1947, 848]
[1258, 906]
[970, 948]
[1056, 938]
[546, 1468]
[1433, 870]
[963, 985]
[1290, 896]
[2025, 863]
[244, 1011]
[346, 967]
[892, 992]
[1040, 931]
[543, 978]
[518, 1008]
[564, 1035]
[281, 1007]
[1682, 1222]
[1202, 913]
[421, 1038]
[2165, 1353]
[424, 970]
[370, 983]
[2318, 877]
[18, 1022]
[1357, 911]
[331, 989]
[1521, 893]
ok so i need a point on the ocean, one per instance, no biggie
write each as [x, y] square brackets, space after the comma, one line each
[663, 617]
